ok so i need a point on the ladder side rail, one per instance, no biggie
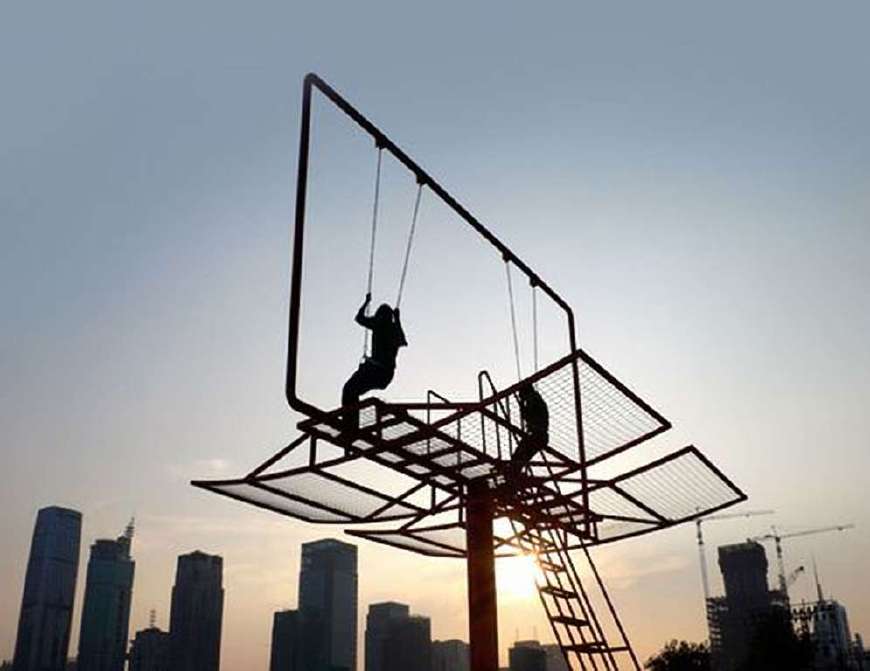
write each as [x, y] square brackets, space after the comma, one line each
[594, 621]
[610, 606]
[556, 605]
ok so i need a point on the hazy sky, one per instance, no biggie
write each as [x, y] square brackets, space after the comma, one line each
[695, 180]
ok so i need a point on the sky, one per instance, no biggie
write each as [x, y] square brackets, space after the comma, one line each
[693, 179]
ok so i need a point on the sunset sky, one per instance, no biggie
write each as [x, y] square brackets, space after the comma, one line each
[694, 180]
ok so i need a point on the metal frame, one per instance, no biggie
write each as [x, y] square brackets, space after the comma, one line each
[543, 518]
[311, 82]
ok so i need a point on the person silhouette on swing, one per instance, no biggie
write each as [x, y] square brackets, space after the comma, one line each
[536, 426]
[375, 371]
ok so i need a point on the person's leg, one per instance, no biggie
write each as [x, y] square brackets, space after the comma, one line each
[353, 389]
[522, 455]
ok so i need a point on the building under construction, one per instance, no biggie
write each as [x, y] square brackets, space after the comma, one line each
[755, 627]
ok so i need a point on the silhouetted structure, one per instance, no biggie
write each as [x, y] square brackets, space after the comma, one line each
[197, 613]
[328, 602]
[450, 454]
[378, 620]
[408, 644]
[450, 655]
[286, 641]
[555, 658]
[150, 650]
[106, 614]
[527, 656]
[750, 627]
[746, 602]
[49, 591]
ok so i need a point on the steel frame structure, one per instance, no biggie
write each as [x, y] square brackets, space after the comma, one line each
[451, 463]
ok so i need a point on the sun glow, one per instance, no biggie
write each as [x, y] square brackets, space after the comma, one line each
[515, 577]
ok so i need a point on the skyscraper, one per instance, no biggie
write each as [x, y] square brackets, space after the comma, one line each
[408, 644]
[377, 627]
[286, 640]
[150, 650]
[106, 613]
[44, 624]
[748, 613]
[527, 656]
[196, 614]
[451, 655]
[555, 658]
[328, 596]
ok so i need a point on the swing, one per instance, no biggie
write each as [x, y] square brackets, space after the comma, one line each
[372, 244]
[514, 330]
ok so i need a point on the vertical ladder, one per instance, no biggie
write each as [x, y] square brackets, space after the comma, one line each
[577, 627]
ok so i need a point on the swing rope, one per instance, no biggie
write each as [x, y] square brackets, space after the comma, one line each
[372, 246]
[507, 268]
[409, 244]
[535, 324]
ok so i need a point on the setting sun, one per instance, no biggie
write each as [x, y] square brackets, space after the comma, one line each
[515, 577]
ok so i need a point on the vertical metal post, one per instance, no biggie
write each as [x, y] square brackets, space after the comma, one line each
[482, 604]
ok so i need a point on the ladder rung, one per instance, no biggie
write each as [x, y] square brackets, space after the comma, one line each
[548, 566]
[570, 621]
[593, 648]
[558, 592]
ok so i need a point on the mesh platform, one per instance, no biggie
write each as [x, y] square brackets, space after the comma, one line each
[410, 464]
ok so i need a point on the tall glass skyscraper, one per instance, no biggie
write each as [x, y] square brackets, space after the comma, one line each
[49, 590]
[106, 613]
[197, 613]
[328, 595]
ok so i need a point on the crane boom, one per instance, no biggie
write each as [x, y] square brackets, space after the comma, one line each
[705, 581]
[778, 538]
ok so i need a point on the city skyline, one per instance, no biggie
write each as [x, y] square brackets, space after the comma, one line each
[744, 567]
[696, 183]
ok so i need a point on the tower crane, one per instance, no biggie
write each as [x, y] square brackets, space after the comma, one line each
[702, 553]
[777, 538]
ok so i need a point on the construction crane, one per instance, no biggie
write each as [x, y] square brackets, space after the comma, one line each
[794, 575]
[702, 553]
[777, 538]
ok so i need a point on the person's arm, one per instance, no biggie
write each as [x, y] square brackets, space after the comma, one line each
[403, 342]
[361, 317]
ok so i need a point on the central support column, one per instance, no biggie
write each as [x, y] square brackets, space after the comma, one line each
[482, 607]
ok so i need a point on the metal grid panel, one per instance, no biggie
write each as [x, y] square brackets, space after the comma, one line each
[250, 493]
[344, 497]
[681, 487]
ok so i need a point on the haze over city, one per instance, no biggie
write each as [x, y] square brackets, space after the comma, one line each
[694, 181]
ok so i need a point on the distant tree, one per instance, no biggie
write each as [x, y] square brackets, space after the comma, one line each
[680, 656]
[775, 646]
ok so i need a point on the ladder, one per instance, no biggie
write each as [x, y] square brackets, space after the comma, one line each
[582, 635]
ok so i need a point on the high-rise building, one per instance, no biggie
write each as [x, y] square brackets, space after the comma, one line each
[407, 644]
[527, 656]
[555, 658]
[451, 655]
[328, 601]
[747, 608]
[150, 650]
[44, 624]
[106, 613]
[197, 613]
[377, 627]
[286, 641]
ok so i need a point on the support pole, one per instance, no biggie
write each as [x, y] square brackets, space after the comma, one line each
[482, 606]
